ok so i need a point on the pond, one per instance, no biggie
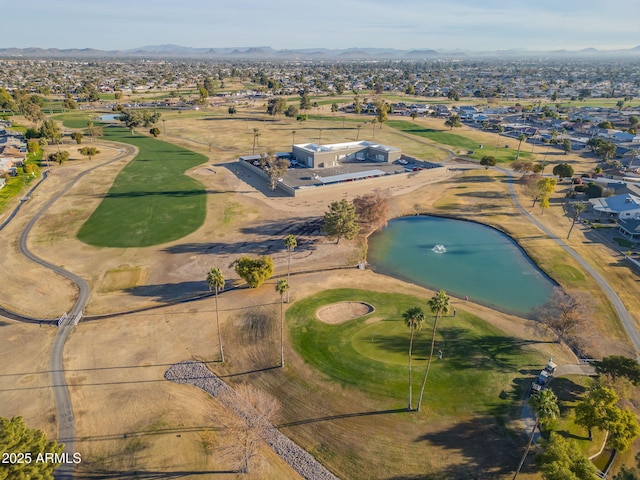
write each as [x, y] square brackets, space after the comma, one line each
[465, 259]
[108, 117]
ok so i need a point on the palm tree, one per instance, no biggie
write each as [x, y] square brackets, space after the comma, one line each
[358, 135]
[293, 134]
[545, 406]
[577, 208]
[215, 280]
[413, 318]
[290, 242]
[282, 287]
[634, 154]
[439, 305]
[256, 134]
[500, 130]
[522, 137]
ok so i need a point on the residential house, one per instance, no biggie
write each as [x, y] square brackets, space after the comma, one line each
[625, 206]
[467, 112]
[630, 228]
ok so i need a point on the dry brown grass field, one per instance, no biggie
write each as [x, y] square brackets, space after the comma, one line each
[129, 418]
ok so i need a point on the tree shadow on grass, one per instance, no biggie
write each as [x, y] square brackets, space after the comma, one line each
[461, 351]
[150, 475]
[567, 390]
[487, 451]
[258, 247]
[158, 193]
[296, 226]
[170, 292]
[489, 448]
[340, 416]
[475, 179]
[487, 194]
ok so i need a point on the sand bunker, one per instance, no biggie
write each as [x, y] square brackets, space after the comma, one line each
[343, 311]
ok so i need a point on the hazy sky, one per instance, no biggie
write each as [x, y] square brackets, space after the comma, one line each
[402, 24]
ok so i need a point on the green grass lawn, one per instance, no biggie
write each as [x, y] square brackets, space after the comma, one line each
[478, 374]
[75, 119]
[443, 137]
[570, 390]
[16, 185]
[151, 201]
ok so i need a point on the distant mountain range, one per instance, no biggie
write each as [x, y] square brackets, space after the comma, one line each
[268, 53]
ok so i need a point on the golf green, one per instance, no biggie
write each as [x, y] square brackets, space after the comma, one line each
[479, 362]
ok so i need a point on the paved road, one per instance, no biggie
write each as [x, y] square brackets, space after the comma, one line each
[66, 425]
[623, 314]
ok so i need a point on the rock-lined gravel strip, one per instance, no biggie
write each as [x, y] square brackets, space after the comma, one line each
[198, 375]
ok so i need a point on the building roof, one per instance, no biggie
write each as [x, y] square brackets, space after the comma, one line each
[631, 226]
[616, 204]
[334, 147]
[344, 177]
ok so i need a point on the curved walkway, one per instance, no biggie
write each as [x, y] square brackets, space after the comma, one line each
[66, 425]
[623, 314]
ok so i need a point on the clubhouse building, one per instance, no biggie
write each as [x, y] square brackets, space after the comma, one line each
[322, 156]
[313, 165]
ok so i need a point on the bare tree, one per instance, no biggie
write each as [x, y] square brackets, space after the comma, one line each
[260, 410]
[565, 315]
[372, 210]
[274, 167]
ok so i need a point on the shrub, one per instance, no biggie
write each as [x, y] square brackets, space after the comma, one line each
[254, 270]
[594, 190]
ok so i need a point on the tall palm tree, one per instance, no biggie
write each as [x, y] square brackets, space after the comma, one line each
[500, 130]
[577, 208]
[215, 280]
[413, 318]
[439, 305]
[522, 137]
[290, 242]
[256, 134]
[282, 287]
[634, 154]
[545, 407]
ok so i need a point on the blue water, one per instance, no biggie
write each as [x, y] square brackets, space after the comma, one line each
[108, 117]
[479, 262]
